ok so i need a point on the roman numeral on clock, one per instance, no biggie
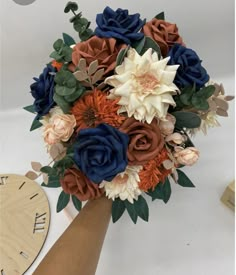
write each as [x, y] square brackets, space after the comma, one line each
[39, 222]
[3, 180]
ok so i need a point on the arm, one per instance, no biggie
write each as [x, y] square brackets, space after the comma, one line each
[77, 251]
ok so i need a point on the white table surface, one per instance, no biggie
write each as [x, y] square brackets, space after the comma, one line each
[191, 235]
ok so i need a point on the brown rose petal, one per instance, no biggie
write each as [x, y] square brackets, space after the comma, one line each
[164, 33]
[105, 50]
[77, 184]
[145, 142]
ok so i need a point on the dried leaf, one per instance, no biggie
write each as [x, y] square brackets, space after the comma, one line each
[93, 67]
[81, 76]
[221, 112]
[212, 105]
[221, 103]
[101, 86]
[36, 166]
[31, 175]
[175, 176]
[82, 65]
[97, 76]
[45, 178]
[168, 164]
[229, 97]
[57, 151]
[222, 89]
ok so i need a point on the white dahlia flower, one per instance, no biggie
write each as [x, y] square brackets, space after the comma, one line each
[144, 85]
[124, 185]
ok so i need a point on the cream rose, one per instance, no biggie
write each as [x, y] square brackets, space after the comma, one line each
[187, 156]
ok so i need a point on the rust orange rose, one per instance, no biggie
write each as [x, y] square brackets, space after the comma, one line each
[164, 33]
[146, 140]
[77, 184]
[105, 50]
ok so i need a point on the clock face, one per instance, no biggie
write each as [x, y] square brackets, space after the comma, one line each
[24, 218]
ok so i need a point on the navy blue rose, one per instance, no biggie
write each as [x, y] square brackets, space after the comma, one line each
[42, 90]
[101, 152]
[120, 25]
[190, 71]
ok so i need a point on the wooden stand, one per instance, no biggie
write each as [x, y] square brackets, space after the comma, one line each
[78, 250]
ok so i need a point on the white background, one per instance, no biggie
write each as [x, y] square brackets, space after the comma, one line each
[194, 233]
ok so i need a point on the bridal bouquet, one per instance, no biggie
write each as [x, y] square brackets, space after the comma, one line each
[118, 108]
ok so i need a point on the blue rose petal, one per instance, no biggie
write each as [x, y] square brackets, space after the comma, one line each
[101, 152]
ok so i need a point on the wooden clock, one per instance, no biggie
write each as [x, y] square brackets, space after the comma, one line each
[24, 223]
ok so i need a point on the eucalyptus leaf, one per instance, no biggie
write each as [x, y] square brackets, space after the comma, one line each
[58, 44]
[186, 120]
[63, 200]
[118, 208]
[77, 203]
[86, 34]
[61, 102]
[183, 180]
[71, 6]
[68, 40]
[199, 103]
[64, 91]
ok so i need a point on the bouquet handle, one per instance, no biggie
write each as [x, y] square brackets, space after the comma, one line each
[78, 249]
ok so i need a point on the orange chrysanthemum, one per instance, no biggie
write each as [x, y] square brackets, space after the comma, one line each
[154, 172]
[57, 65]
[94, 108]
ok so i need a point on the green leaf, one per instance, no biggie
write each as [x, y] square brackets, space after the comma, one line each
[150, 43]
[63, 90]
[186, 119]
[186, 95]
[63, 200]
[131, 210]
[183, 180]
[199, 103]
[85, 35]
[121, 56]
[77, 203]
[156, 193]
[53, 182]
[71, 6]
[61, 102]
[30, 109]
[58, 44]
[48, 170]
[160, 16]
[67, 53]
[68, 40]
[55, 55]
[71, 98]
[166, 190]
[35, 125]
[138, 45]
[141, 208]
[118, 208]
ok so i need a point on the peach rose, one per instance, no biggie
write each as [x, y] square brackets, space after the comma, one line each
[164, 33]
[105, 50]
[77, 184]
[187, 156]
[60, 128]
[50, 136]
[167, 126]
[175, 138]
